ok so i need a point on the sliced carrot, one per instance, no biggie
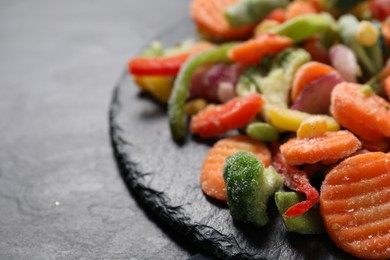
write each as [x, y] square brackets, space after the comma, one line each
[253, 50]
[365, 114]
[211, 178]
[298, 8]
[307, 73]
[208, 16]
[278, 14]
[234, 114]
[330, 146]
[164, 66]
[355, 205]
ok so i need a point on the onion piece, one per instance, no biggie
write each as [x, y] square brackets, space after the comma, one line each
[344, 61]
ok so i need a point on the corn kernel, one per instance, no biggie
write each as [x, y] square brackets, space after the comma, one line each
[194, 106]
[312, 127]
[367, 34]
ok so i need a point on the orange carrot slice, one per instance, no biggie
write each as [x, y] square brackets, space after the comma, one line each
[306, 73]
[211, 178]
[331, 146]
[296, 8]
[355, 205]
[365, 114]
[252, 51]
[234, 114]
[208, 16]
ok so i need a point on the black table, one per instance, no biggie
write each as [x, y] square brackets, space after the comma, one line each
[61, 195]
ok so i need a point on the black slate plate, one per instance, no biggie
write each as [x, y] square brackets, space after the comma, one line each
[165, 177]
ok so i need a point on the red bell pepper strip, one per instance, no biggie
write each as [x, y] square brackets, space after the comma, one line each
[164, 66]
[297, 180]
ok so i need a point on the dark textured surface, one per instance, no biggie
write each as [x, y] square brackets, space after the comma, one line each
[165, 176]
[61, 195]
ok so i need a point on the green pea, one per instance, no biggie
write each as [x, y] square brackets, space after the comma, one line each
[263, 132]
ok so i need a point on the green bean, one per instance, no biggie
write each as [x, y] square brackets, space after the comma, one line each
[178, 98]
[302, 27]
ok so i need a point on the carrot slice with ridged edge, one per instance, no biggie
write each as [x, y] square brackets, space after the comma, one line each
[307, 73]
[234, 114]
[355, 205]
[330, 146]
[253, 50]
[211, 178]
[362, 112]
[208, 16]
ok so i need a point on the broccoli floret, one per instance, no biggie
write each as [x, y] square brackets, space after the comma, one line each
[249, 186]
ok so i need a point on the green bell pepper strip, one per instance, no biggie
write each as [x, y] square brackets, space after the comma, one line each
[250, 11]
[307, 223]
[302, 27]
[369, 57]
[180, 92]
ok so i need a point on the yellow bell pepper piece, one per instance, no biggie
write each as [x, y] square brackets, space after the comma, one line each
[312, 127]
[158, 86]
[285, 119]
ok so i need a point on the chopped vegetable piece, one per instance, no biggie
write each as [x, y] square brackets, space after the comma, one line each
[234, 114]
[158, 86]
[387, 87]
[195, 106]
[307, 223]
[278, 14]
[164, 66]
[330, 146]
[371, 58]
[207, 80]
[245, 12]
[211, 178]
[265, 25]
[354, 204]
[303, 27]
[317, 50]
[290, 120]
[180, 92]
[307, 73]
[298, 8]
[312, 127]
[208, 16]
[262, 132]
[380, 9]
[315, 96]
[248, 187]
[296, 180]
[367, 115]
[252, 51]
[345, 62]
[367, 34]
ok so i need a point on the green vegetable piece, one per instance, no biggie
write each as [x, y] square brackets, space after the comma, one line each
[290, 60]
[250, 11]
[262, 131]
[307, 223]
[248, 187]
[371, 58]
[302, 27]
[179, 95]
[155, 50]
